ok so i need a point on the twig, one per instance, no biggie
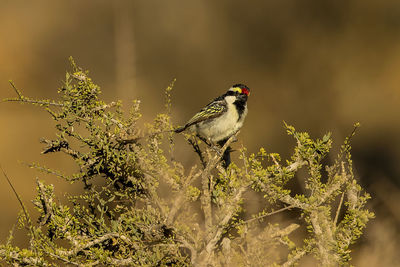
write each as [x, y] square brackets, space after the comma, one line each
[294, 258]
[218, 231]
[291, 201]
[21, 98]
[180, 200]
[205, 181]
[64, 259]
[15, 192]
[15, 89]
[20, 202]
[116, 122]
[27, 218]
[198, 151]
[275, 161]
[47, 170]
[205, 198]
[91, 243]
[285, 231]
[338, 210]
[296, 165]
[245, 162]
[152, 194]
[324, 238]
[335, 186]
[18, 260]
[183, 240]
[31, 101]
[105, 106]
[222, 224]
[46, 204]
[265, 215]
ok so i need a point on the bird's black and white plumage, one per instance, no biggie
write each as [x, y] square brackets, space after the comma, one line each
[221, 118]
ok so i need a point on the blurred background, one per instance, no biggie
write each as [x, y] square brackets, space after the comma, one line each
[318, 65]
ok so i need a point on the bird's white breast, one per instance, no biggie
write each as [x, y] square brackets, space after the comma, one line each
[224, 126]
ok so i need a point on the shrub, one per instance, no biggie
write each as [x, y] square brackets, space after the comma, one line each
[142, 207]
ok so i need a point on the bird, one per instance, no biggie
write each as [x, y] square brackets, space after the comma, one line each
[221, 118]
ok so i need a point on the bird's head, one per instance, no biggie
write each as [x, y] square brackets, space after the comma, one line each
[239, 89]
[238, 92]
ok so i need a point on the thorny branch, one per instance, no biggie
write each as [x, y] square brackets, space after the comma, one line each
[265, 215]
[206, 178]
[21, 98]
[154, 219]
[180, 200]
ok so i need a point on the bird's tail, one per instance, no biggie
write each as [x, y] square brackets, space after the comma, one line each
[180, 129]
[226, 157]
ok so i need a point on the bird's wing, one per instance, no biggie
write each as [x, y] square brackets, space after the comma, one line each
[212, 110]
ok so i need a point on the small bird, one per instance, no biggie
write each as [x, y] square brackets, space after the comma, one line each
[221, 118]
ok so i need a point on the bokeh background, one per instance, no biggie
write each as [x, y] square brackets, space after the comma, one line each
[318, 65]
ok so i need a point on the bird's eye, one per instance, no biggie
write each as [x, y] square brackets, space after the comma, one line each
[231, 93]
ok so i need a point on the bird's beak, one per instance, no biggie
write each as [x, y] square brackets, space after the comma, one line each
[242, 97]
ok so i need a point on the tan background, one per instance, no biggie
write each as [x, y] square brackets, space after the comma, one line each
[318, 65]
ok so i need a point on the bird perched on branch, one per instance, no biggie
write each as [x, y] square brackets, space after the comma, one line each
[221, 118]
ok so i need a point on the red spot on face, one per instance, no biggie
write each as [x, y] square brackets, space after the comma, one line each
[245, 91]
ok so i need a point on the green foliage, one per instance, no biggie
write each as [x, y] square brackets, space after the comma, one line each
[124, 216]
